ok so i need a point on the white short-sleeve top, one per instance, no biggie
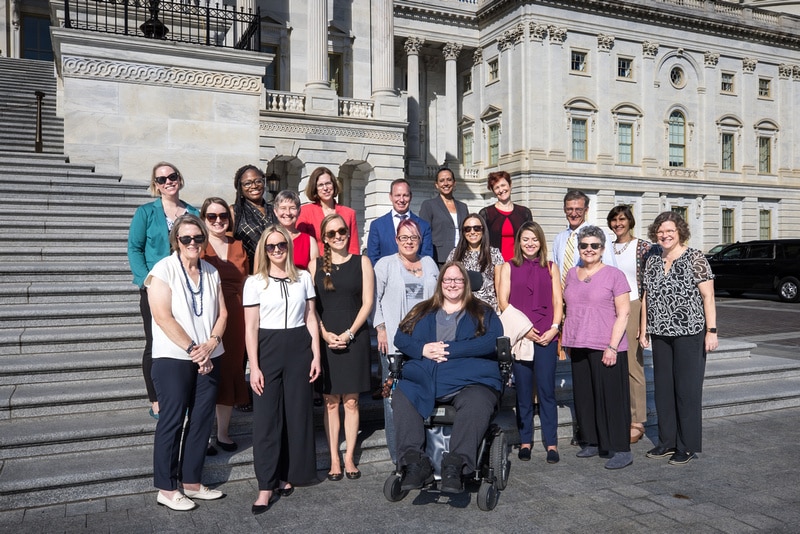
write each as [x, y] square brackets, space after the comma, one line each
[282, 303]
[170, 271]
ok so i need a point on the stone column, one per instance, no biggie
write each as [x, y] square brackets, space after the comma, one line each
[451, 52]
[382, 48]
[606, 144]
[317, 74]
[412, 46]
[654, 131]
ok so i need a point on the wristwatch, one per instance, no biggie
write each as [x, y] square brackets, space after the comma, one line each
[219, 339]
[350, 334]
[711, 330]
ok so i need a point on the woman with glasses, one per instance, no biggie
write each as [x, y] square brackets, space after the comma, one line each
[503, 218]
[597, 297]
[189, 318]
[532, 285]
[474, 251]
[282, 340]
[449, 344]
[227, 255]
[345, 291]
[148, 242]
[251, 212]
[322, 190]
[287, 208]
[402, 280]
[679, 319]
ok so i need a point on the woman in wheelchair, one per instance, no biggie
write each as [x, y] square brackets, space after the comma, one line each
[449, 344]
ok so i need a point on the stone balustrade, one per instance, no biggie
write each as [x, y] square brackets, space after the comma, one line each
[360, 109]
[287, 102]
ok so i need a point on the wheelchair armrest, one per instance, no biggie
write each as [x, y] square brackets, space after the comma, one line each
[503, 347]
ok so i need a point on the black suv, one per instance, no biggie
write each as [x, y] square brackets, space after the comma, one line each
[760, 266]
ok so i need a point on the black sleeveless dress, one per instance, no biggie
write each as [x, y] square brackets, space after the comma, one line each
[348, 370]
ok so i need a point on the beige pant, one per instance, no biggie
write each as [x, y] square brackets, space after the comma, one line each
[638, 385]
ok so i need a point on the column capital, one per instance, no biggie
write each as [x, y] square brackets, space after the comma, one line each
[413, 45]
[558, 34]
[537, 31]
[477, 57]
[650, 49]
[749, 65]
[710, 59]
[451, 51]
[605, 42]
[784, 71]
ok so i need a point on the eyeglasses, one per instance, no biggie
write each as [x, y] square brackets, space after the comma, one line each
[477, 229]
[324, 185]
[666, 232]
[161, 180]
[252, 183]
[186, 239]
[595, 246]
[407, 238]
[330, 234]
[283, 246]
[453, 281]
[212, 217]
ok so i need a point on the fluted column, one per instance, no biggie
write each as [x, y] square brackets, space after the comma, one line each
[451, 52]
[382, 48]
[412, 47]
[317, 45]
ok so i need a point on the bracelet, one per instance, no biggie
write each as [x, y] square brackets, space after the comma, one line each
[555, 325]
[350, 334]
[191, 347]
[612, 348]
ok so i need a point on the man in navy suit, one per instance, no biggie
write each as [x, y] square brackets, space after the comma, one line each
[383, 230]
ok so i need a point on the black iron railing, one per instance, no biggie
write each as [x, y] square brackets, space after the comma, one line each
[191, 21]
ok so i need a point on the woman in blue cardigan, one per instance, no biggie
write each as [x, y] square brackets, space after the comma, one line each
[148, 242]
[449, 342]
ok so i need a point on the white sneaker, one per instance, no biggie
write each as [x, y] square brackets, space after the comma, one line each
[204, 493]
[180, 502]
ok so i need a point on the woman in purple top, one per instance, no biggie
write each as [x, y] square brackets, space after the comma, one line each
[598, 304]
[533, 286]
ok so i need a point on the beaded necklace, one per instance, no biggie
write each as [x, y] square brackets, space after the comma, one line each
[192, 291]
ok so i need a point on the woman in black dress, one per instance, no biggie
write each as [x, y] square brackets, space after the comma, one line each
[345, 292]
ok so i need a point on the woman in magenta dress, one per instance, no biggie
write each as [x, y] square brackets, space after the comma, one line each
[287, 209]
[504, 218]
[322, 190]
[229, 257]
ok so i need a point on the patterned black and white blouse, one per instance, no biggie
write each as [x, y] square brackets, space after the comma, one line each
[673, 301]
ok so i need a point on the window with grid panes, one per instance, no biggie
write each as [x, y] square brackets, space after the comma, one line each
[625, 143]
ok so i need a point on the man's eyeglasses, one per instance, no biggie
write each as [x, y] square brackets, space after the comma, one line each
[330, 234]
[161, 180]
[283, 246]
[186, 239]
[595, 246]
[212, 217]
[478, 229]
[407, 238]
[252, 183]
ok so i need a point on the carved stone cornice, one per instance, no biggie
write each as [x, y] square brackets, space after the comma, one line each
[78, 67]
[796, 72]
[749, 65]
[518, 33]
[504, 42]
[650, 49]
[784, 71]
[477, 56]
[330, 131]
[537, 31]
[451, 51]
[413, 45]
[710, 59]
[605, 42]
[557, 34]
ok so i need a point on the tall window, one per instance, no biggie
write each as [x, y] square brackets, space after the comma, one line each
[764, 155]
[727, 225]
[624, 67]
[625, 143]
[494, 144]
[494, 69]
[270, 78]
[764, 88]
[727, 152]
[578, 61]
[466, 149]
[765, 224]
[677, 139]
[726, 83]
[579, 139]
[468, 81]
[335, 73]
[36, 42]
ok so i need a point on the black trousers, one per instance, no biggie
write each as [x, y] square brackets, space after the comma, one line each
[679, 365]
[475, 405]
[182, 389]
[283, 428]
[602, 399]
[147, 355]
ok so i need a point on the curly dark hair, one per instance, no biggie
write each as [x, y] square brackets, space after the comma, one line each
[669, 216]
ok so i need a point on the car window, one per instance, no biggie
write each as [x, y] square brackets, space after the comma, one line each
[734, 253]
[760, 252]
[790, 252]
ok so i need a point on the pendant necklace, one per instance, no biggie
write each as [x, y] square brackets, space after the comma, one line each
[192, 291]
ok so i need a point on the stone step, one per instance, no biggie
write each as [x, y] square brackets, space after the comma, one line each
[85, 194]
[34, 159]
[69, 314]
[58, 165]
[123, 203]
[57, 176]
[71, 366]
[105, 226]
[101, 338]
[67, 251]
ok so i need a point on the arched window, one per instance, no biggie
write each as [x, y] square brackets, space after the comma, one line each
[677, 139]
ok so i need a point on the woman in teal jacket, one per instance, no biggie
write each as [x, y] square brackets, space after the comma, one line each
[148, 242]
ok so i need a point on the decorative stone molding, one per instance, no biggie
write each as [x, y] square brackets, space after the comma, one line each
[78, 67]
[413, 45]
[679, 172]
[557, 34]
[796, 72]
[477, 56]
[605, 42]
[784, 71]
[518, 33]
[451, 51]
[504, 42]
[749, 65]
[650, 49]
[710, 59]
[330, 131]
[537, 31]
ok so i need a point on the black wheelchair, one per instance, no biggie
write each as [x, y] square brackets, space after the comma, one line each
[492, 459]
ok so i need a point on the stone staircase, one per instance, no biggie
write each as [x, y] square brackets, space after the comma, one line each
[73, 410]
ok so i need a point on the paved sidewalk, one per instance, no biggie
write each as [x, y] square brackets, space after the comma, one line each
[745, 481]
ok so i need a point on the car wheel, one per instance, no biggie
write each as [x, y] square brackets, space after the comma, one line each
[788, 289]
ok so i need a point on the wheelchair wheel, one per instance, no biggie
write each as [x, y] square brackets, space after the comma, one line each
[487, 496]
[498, 460]
[391, 489]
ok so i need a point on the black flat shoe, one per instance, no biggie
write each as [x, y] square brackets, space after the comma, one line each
[227, 447]
[259, 509]
[335, 477]
[353, 475]
[285, 492]
[211, 451]
[524, 454]
[661, 452]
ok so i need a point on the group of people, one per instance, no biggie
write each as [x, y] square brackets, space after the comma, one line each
[286, 286]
